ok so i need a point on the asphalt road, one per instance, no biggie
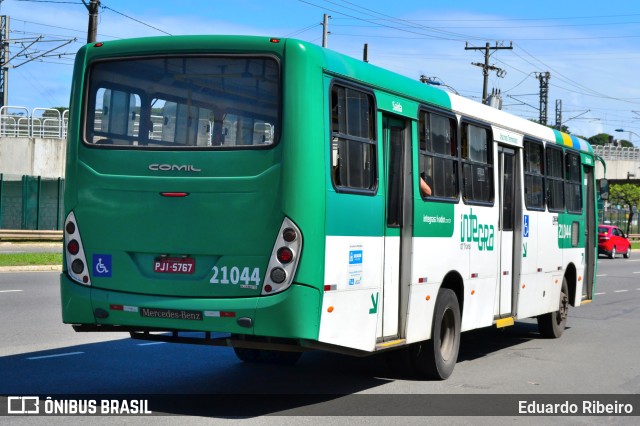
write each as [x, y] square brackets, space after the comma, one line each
[597, 354]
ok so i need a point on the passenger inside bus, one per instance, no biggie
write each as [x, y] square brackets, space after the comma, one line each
[425, 189]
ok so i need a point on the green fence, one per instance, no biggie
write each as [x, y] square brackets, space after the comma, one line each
[620, 217]
[31, 202]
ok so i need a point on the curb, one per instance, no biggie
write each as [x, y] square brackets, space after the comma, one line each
[31, 268]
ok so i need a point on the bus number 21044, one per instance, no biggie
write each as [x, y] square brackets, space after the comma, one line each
[235, 275]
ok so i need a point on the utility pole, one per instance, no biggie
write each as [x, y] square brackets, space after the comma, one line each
[559, 114]
[92, 31]
[486, 67]
[4, 60]
[544, 95]
[325, 30]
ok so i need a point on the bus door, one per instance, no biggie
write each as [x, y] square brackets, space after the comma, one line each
[590, 232]
[509, 248]
[397, 229]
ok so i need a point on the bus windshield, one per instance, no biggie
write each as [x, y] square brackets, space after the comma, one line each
[183, 102]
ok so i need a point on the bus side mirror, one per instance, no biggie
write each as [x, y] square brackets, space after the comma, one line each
[604, 189]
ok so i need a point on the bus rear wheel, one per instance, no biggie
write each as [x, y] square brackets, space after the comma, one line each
[267, 356]
[436, 357]
[552, 325]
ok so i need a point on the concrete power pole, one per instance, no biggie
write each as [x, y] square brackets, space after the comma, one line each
[325, 30]
[559, 114]
[92, 31]
[486, 67]
[4, 60]
[544, 95]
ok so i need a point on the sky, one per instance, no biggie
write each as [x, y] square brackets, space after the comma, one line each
[590, 48]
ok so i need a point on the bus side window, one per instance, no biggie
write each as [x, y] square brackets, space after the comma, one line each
[533, 175]
[554, 178]
[477, 164]
[438, 160]
[573, 182]
[353, 144]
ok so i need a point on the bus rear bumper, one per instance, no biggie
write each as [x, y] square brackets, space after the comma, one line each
[293, 313]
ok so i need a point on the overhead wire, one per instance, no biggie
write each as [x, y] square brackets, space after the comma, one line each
[134, 19]
[382, 25]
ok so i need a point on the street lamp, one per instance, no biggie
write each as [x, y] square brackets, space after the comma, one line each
[628, 131]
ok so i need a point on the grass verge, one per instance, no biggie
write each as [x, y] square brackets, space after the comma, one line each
[25, 259]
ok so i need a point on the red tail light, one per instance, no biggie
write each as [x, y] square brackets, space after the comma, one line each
[285, 255]
[76, 261]
[284, 259]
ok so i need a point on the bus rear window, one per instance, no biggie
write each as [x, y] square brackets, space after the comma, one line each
[183, 102]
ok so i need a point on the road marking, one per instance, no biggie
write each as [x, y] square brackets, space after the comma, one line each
[637, 272]
[10, 291]
[599, 294]
[151, 343]
[54, 356]
[602, 275]
[620, 291]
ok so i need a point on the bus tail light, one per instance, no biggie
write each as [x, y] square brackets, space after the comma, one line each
[76, 261]
[284, 259]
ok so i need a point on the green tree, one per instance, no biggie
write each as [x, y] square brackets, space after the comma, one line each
[599, 139]
[51, 114]
[628, 194]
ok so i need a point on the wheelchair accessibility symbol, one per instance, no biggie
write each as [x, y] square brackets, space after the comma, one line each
[102, 265]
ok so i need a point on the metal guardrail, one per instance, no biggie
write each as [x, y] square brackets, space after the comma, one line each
[19, 122]
[23, 234]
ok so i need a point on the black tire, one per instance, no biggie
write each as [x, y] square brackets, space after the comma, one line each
[552, 325]
[437, 357]
[613, 253]
[628, 253]
[266, 356]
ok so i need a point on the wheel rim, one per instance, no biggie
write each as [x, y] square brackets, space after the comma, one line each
[447, 335]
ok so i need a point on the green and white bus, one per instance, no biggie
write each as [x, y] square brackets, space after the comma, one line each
[264, 194]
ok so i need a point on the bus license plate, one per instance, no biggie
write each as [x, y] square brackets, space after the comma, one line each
[174, 265]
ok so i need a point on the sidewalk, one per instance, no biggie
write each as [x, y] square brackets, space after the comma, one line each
[31, 268]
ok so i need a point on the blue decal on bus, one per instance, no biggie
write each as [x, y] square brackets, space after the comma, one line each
[102, 265]
[525, 227]
[355, 267]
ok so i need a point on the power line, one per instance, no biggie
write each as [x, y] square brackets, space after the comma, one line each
[387, 26]
[50, 1]
[136, 20]
[75, 30]
[559, 18]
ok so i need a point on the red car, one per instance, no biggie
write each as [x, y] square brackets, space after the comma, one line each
[611, 241]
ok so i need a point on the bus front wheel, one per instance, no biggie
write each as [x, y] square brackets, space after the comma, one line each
[436, 357]
[552, 325]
